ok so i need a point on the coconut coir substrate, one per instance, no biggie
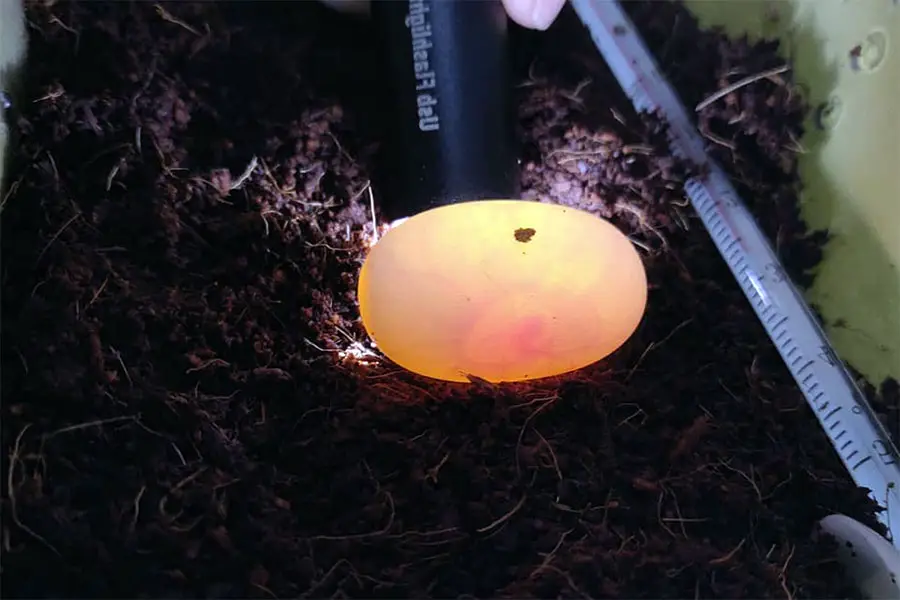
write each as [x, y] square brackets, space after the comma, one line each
[190, 408]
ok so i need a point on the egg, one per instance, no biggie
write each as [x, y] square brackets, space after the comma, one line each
[501, 290]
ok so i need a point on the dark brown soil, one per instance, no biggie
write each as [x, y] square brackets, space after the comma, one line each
[190, 408]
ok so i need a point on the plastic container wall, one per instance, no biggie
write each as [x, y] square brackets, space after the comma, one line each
[846, 55]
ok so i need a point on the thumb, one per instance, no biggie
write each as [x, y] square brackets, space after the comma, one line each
[534, 14]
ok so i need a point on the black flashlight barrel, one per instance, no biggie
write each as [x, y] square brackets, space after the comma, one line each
[451, 133]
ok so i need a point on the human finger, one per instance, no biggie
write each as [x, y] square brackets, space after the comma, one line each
[533, 14]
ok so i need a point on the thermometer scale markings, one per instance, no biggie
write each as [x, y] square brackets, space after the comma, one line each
[862, 443]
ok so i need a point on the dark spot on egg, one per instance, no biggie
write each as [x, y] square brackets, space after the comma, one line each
[524, 234]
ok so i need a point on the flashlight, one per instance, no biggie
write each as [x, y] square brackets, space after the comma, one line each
[470, 282]
[452, 136]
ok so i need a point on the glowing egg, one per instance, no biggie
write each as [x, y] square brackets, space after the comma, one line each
[503, 290]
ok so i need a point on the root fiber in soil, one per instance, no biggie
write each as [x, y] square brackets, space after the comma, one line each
[190, 405]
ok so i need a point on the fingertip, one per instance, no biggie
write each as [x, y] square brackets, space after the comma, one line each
[534, 14]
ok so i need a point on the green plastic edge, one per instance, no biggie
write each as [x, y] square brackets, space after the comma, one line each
[851, 168]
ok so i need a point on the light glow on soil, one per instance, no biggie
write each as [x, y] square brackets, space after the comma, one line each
[501, 290]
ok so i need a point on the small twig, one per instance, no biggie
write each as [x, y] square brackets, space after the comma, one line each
[264, 589]
[315, 587]
[374, 219]
[97, 293]
[167, 16]
[51, 95]
[11, 494]
[640, 245]
[553, 458]
[363, 536]
[569, 580]
[681, 519]
[213, 361]
[643, 220]
[795, 145]
[161, 506]
[751, 480]
[705, 132]
[245, 175]
[137, 507]
[783, 577]
[538, 400]
[637, 149]
[118, 356]
[659, 510]
[432, 473]
[549, 557]
[88, 424]
[54, 19]
[528, 420]
[575, 95]
[724, 559]
[178, 452]
[505, 517]
[112, 175]
[56, 235]
[739, 84]
[317, 347]
[654, 345]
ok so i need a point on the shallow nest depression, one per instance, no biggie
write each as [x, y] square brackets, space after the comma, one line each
[190, 408]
